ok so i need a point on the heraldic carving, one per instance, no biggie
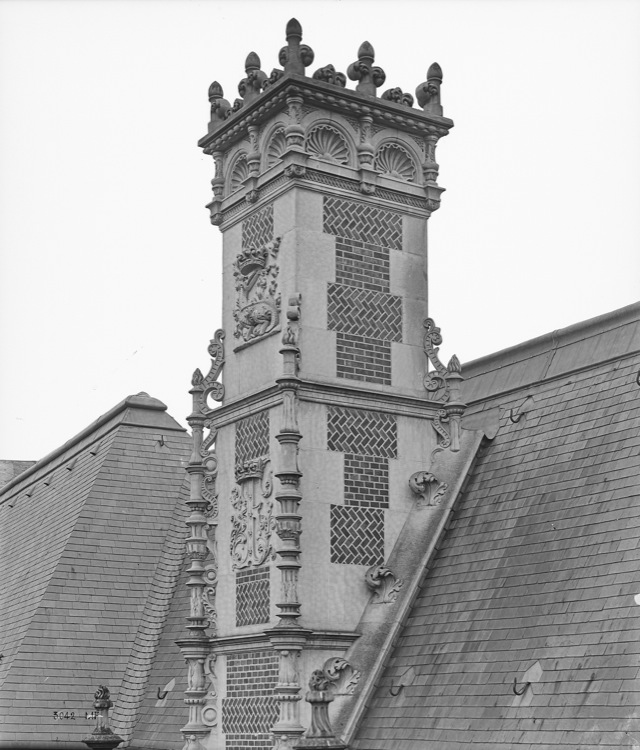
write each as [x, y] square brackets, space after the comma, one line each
[252, 519]
[257, 310]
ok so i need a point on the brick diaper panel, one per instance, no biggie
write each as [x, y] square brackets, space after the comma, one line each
[252, 437]
[366, 481]
[369, 433]
[252, 596]
[250, 710]
[362, 264]
[357, 535]
[365, 223]
[362, 358]
[257, 230]
[364, 313]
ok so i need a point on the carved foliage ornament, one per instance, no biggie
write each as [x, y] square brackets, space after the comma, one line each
[427, 487]
[340, 675]
[257, 310]
[383, 583]
[252, 518]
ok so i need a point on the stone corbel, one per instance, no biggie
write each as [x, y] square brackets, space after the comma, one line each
[383, 583]
[428, 489]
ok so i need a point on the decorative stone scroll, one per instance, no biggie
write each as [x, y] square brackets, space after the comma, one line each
[434, 382]
[428, 488]
[257, 310]
[383, 583]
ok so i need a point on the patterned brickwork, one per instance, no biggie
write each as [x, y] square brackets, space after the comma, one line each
[362, 264]
[360, 309]
[250, 710]
[252, 596]
[252, 437]
[361, 358]
[366, 481]
[358, 221]
[357, 535]
[358, 431]
[364, 313]
[257, 230]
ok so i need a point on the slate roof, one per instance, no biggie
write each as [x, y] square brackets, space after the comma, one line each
[537, 576]
[92, 541]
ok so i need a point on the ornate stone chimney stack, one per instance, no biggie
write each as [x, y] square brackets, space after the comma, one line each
[322, 194]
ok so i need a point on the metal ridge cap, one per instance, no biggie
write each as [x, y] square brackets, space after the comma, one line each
[351, 98]
[138, 401]
[549, 342]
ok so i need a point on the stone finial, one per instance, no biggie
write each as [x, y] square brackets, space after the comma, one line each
[295, 57]
[363, 70]
[219, 106]
[102, 737]
[250, 87]
[428, 93]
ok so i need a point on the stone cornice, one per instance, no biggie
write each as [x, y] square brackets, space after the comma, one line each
[327, 96]
[316, 639]
[328, 393]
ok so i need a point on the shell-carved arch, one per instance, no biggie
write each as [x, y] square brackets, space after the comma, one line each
[273, 145]
[238, 172]
[396, 160]
[328, 142]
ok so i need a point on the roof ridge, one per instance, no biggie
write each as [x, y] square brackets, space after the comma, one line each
[550, 342]
[140, 401]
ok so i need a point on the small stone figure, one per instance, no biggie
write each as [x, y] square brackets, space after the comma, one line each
[219, 105]
[250, 87]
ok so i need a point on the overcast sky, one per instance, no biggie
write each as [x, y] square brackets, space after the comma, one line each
[110, 270]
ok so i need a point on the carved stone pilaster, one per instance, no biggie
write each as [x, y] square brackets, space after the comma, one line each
[294, 132]
[202, 523]
[288, 637]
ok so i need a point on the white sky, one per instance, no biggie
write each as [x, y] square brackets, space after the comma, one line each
[110, 270]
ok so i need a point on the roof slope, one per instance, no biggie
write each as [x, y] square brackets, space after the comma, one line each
[537, 578]
[91, 556]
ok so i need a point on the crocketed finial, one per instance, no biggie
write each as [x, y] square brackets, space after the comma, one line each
[295, 57]
[251, 86]
[363, 70]
[428, 93]
[219, 105]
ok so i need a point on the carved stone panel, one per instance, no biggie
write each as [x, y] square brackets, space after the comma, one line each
[255, 270]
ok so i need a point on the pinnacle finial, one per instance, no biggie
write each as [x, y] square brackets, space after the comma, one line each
[252, 62]
[363, 70]
[295, 57]
[365, 50]
[251, 86]
[428, 93]
[219, 106]
[294, 29]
